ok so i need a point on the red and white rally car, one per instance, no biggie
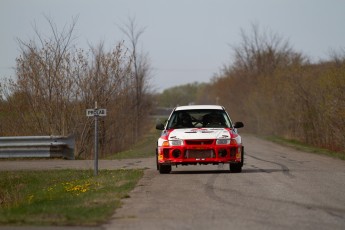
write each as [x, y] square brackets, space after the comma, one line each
[199, 134]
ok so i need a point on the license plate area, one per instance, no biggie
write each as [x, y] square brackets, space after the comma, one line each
[199, 153]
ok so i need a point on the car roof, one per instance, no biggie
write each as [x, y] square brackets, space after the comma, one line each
[192, 107]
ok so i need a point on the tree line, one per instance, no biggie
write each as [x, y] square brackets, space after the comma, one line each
[272, 88]
[275, 90]
[56, 82]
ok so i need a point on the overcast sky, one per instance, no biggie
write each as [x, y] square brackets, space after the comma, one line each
[186, 40]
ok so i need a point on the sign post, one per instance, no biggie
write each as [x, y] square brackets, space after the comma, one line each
[96, 113]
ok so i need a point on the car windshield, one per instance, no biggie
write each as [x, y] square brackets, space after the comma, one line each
[208, 118]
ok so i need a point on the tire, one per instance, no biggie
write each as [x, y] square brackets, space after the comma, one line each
[164, 169]
[242, 157]
[236, 168]
[157, 159]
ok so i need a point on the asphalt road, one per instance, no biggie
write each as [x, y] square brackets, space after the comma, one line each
[279, 188]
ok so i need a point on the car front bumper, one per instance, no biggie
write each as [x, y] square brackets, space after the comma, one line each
[212, 154]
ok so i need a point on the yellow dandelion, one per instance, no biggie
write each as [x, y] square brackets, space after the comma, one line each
[30, 198]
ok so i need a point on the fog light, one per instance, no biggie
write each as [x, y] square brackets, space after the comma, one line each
[176, 153]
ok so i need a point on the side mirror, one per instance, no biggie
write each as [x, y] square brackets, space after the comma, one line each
[160, 126]
[238, 124]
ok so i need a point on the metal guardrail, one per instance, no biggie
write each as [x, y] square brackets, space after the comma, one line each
[37, 146]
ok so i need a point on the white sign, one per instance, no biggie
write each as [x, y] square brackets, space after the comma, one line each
[96, 112]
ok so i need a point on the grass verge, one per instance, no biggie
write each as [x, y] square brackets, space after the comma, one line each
[306, 148]
[63, 197]
[146, 147]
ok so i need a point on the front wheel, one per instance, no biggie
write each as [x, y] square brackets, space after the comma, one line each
[157, 159]
[164, 169]
[235, 167]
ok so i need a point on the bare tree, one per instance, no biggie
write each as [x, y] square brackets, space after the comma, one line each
[44, 76]
[141, 71]
[252, 82]
[277, 91]
[56, 82]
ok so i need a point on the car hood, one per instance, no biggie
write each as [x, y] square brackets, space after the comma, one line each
[199, 133]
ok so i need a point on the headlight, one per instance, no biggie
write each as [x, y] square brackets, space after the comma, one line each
[176, 143]
[223, 141]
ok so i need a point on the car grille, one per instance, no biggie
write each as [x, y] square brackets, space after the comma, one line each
[200, 153]
[199, 142]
